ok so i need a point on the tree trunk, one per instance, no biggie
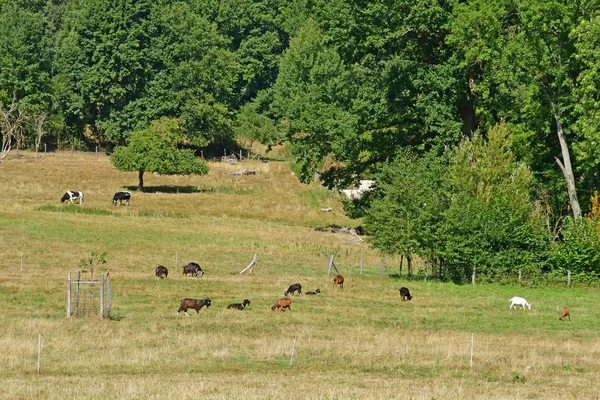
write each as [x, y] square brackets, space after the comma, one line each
[140, 187]
[567, 170]
[409, 265]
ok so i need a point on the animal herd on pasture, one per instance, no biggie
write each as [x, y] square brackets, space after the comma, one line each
[194, 269]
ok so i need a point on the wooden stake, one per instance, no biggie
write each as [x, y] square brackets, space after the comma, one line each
[473, 277]
[472, 345]
[69, 295]
[77, 292]
[39, 352]
[102, 297]
[108, 293]
[382, 267]
[568, 278]
[519, 275]
[361, 262]
[293, 351]
[329, 265]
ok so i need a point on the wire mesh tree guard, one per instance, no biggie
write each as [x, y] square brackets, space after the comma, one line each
[88, 298]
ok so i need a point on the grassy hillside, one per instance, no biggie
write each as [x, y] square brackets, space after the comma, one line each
[359, 342]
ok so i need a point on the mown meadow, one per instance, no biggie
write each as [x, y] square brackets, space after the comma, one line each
[360, 342]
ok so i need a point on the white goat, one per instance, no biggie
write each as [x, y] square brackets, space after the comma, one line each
[519, 301]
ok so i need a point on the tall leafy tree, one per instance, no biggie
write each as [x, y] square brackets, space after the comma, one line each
[406, 214]
[122, 65]
[156, 149]
[524, 67]
[491, 222]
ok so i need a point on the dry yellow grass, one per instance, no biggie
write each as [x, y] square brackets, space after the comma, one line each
[361, 342]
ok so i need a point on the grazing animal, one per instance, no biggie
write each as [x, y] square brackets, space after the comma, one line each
[195, 304]
[338, 280]
[238, 306]
[295, 287]
[72, 195]
[193, 269]
[565, 313]
[120, 196]
[161, 272]
[315, 292]
[519, 301]
[282, 303]
[405, 294]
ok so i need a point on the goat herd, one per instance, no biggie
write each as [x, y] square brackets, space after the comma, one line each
[194, 269]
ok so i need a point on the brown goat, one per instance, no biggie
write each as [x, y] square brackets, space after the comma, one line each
[195, 304]
[338, 280]
[565, 313]
[282, 303]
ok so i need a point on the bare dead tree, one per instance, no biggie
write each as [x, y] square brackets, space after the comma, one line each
[38, 122]
[11, 127]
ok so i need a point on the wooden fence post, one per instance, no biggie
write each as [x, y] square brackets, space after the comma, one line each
[39, 352]
[108, 293]
[69, 295]
[382, 267]
[293, 350]
[425, 271]
[519, 275]
[472, 345]
[568, 278]
[102, 296]
[361, 262]
[329, 265]
[473, 277]
[77, 290]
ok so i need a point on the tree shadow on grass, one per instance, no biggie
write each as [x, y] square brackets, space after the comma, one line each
[166, 189]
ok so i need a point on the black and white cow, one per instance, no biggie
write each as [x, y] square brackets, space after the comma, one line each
[72, 195]
[120, 196]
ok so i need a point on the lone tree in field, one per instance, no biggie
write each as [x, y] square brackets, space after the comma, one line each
[154, 149]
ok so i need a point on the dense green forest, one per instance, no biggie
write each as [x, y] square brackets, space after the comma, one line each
[477, 120]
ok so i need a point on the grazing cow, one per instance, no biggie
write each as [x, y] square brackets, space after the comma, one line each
[338, 280]
[72, 195]
[193, 269]
[519, 301]
[186, 304]
[120, 196]
[315, 292]
[565, 313]
[161, 272]
[282, 304]
[405, 294]
[238, 306]
[293, 288]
